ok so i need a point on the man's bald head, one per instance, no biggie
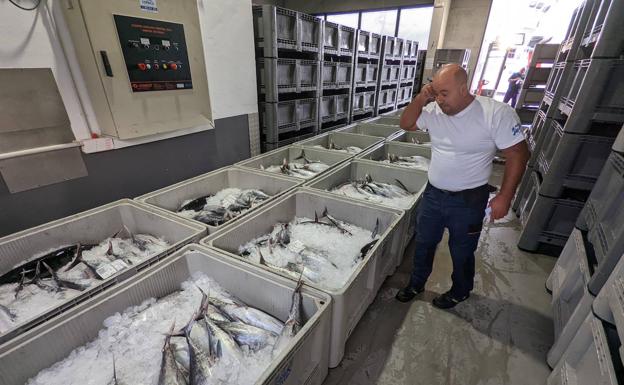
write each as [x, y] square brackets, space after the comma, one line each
[454, 72]
[450, 84]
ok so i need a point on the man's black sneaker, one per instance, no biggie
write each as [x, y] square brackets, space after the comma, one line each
[408, 293]
[447, 301]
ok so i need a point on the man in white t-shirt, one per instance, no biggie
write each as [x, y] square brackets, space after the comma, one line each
[465, 131]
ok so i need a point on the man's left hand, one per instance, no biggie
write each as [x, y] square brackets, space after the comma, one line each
[500, 205]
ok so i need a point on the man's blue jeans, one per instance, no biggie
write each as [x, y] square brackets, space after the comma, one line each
[462, 213]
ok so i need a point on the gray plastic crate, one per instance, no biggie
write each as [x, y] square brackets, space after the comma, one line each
[389, 74]
[351, 301]
[277, 28]
[545, 220]
[342, 139]
[559, 75]
[88, 227]
[405, 95]
[276, 157]
[609, 188]
[390, 120]
[279, 76]
[523, 189]
[593, 91]
[335, 107]
[618, 145]
[589, 358]
[408, 72]
[571, 300]
[373, 129]
[368, 44]
[337, 75]
[380, 152]
[270, 146]
[410, 51]
[171, 197]
[607, 238]
[533, 136]
[305, 359]
[604, 32]
[338, 40]
[387, 98]
[570, 161]
[392, 47]
[289, 116]
[574, 34]
[413, 137]
[365, 74]
[363, 102]
[414, 180]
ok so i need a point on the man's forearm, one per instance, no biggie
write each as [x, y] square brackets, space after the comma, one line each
[515, 164]
[411, 113]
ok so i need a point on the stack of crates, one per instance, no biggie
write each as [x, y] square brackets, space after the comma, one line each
[534, 83]
[420, 68]
[336, 76]
[450, 55]
[389, 73]
[366, 72]
[580, 116]
[591, 268]
[288, 51]
[409, 72]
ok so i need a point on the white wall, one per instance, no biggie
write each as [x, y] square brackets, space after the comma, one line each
[227, 32]
[31, 40]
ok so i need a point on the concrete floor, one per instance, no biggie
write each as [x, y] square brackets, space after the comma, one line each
[500, 335]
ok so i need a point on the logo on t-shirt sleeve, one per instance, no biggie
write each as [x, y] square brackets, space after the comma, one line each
[515, 130]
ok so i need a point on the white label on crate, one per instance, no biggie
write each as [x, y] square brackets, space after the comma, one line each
[119, 265]
[106, 271]
[148, 6]
[296, 246]
[229, 200]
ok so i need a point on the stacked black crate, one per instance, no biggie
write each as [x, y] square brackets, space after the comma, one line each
[532, 91]
[420, 69]
[288, 51]
[409, 72]
[336, 76]
[365, 74]
[584, 109]
[389, 74]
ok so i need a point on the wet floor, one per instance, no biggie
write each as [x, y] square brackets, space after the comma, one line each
[500, 335]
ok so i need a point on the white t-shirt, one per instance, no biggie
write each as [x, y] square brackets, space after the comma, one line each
[463, 145]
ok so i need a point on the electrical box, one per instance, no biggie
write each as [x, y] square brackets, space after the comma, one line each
[143, 64]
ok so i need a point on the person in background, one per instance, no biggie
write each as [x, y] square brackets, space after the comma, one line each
[465, 131]
[515, 82]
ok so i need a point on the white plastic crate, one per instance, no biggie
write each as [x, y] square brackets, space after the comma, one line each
[277, 28]
[387, 98]
[374, 129]
[287, 76]
[414, 180]
[333, 108]
[350, 302]
[363, 102]
[365, 74]
[380, 152]
[342, 139]
[89, 227]
[589, 358]
[368, 44]
[337, 75]
[389, 74]
[304, 360]
[414, 137]
[338, 40]
[290, 153]
[170, 198]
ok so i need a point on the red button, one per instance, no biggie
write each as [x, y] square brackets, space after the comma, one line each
[173, 66]
[142, 66]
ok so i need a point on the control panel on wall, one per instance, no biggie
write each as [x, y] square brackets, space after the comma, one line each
[155, 54]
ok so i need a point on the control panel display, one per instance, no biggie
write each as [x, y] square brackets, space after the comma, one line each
[155, 54]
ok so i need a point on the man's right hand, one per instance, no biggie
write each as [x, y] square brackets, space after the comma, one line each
[427, 94]
[410, 115]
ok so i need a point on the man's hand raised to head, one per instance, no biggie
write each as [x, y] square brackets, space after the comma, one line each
[414, 109]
